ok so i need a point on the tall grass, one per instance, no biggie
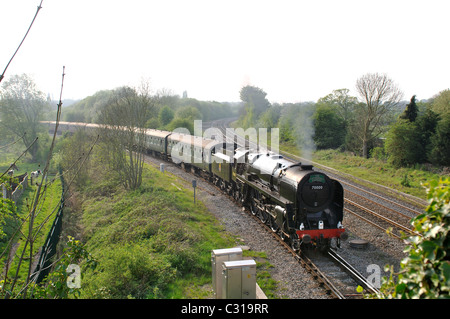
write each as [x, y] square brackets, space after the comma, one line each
[406, 179]
[153, 242]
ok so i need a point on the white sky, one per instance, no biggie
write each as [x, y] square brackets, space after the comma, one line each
[294, 50]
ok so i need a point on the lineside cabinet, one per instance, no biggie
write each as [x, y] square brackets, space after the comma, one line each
[239, 279]
[218, 257]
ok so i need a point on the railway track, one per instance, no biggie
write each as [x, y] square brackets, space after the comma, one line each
[337, 276]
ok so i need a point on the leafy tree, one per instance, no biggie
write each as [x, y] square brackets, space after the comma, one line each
[379, 95]
[255, 103]
[329, 128]
[411, 110]
[425, 272]
[55, 284]
[270, 117]
[440, 153]
[189, 112]
[165, 115]
[441, 103]
[403, 143]
[126, 113]
[22, 105]
[427, 123]
[88, 109]
[181, 123]
[286, 132]
[344, 103]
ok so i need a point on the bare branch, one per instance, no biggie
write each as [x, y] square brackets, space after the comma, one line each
[29, 28]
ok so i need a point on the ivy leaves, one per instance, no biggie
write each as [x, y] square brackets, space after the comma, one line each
[426, 271]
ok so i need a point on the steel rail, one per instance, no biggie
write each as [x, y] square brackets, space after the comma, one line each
[377, 204]
[380, 197]
[390, 221]
[303, 260]
[352, 272]
[370, 222]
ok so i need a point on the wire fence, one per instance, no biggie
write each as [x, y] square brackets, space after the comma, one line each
[48, 250]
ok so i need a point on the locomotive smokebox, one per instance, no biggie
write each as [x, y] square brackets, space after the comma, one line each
[315, 191]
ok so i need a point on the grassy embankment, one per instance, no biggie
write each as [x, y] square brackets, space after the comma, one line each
[404, 179]
[153, 242]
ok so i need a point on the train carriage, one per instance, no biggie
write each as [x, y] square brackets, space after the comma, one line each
[157, 141]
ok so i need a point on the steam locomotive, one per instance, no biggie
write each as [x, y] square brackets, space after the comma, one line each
[304, 206]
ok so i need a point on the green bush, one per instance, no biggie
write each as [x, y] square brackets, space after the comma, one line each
[403, 144]
[129, 270]
[425, 273]
[440, 153]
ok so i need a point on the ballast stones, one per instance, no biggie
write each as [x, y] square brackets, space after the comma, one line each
[358, 243]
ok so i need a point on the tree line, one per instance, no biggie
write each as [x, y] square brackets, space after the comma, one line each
[167, 110]
[376, 123]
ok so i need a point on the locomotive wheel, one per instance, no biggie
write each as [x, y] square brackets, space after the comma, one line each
[273, 224]
[283, 230]
[236, 195]
[264, 216]
[295, 243]
[253, 207]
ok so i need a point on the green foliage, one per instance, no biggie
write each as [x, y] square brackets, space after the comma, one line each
[440, 153]
[411, 110]
[405, 181]
[441, 103]
[189, 112]
[130, 270]
[55, 286]
[270, 117]
[425, 272]
[181, 123]
[255, 104]
[427, 123]
[153, 242]
[7, 209]
[87, 110]
[403, 143]
[22, 106]
[286, 131]
[165, 115]
[378, 153]
[329, 128]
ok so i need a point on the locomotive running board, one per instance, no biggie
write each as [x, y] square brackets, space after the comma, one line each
[275, 195]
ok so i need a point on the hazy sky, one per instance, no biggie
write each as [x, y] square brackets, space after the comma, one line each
[294, 50]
